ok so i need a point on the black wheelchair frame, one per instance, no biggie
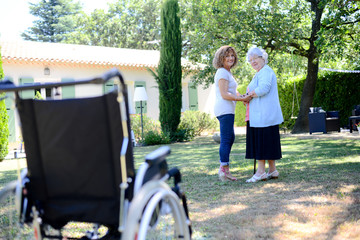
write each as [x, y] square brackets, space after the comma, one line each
[80, 167]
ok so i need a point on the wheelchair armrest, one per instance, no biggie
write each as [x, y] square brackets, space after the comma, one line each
[157, 156]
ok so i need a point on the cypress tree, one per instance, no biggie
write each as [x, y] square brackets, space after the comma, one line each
[169, 70]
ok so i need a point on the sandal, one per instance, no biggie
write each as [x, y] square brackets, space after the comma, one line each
[224, 174]
[255, 178]
[273, 175]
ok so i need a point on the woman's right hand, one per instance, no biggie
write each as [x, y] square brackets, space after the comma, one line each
[245, 98]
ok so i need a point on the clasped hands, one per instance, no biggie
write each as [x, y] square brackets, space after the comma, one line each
[246, 97]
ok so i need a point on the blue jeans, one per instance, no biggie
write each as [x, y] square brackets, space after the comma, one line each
[227, 137]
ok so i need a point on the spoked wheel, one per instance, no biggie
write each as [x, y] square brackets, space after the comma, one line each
[156, 213]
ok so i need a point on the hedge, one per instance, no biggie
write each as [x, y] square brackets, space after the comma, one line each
[335, 91]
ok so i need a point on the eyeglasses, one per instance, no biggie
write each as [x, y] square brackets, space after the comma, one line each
[252, 60]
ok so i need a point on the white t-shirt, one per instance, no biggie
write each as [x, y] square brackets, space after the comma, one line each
[223, 106]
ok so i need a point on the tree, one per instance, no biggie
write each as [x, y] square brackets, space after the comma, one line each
[169, 72]
[4, 127]
[302, 28]
[127, 24]
[55, 20]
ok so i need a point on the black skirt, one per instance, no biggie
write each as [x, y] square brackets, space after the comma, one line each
[263, 143]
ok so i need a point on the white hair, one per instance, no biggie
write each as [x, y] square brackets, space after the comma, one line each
[256, 51]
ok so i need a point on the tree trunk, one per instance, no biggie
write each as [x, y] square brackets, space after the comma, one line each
[302, 121]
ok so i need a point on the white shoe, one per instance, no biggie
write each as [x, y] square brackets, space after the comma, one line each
[273, 175]
[255, 178]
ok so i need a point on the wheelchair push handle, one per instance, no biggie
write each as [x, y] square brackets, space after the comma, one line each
[7, 86]
[158, 155]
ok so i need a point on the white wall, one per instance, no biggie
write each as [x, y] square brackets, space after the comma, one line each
[131, 75]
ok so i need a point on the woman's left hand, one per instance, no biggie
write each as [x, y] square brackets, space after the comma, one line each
[245, 98]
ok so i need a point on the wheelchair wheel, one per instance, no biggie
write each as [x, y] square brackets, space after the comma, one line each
[156, 213]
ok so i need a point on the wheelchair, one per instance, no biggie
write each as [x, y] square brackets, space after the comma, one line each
[80, 168]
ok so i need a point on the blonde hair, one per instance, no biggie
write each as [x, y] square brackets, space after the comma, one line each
[218, 61]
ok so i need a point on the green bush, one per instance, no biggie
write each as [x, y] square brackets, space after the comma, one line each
[156, 138]
[288, 101]
[334, 92]
[240, 109]
[4, 130]
[148, 124]
[338, 91]
[196, 122]
[183, 135]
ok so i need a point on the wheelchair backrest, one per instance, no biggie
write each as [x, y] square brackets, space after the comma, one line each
[73, 155]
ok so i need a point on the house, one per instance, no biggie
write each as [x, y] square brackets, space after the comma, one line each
[31, 62]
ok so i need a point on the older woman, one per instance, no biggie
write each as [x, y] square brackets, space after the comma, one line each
[263, 117]
[226, 96]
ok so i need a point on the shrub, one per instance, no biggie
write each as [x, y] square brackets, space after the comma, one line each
[148, 124]
[288, 101]
[338, 91]
[156, 138]
[335, 91]
[196, 122]
[4, 130]
[183, 135]
[240, 109]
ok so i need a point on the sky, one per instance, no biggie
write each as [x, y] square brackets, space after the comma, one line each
[15, 15]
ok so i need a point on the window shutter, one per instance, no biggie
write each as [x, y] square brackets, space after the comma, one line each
[193, 97]
[109, 86]
[68, 91]
[27, 93]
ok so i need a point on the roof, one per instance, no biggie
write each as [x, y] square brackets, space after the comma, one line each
[44, 52]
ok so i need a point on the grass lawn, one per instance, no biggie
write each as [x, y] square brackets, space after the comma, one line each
[317, 195]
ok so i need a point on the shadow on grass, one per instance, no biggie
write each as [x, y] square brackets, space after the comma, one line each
[306, 202]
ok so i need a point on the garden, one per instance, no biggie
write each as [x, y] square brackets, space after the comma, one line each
[317, 195]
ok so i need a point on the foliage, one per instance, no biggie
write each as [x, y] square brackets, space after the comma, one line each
[335, 91]
[288, 91]
[156, 138]
[4, 129]
[196, 122]
[149, 125]
[240, 109]
[169, 72]
[183, 134]
[38, 96]
[306, 29]
[55, 20]
[127, 24]
[4, 126]
[338, 91]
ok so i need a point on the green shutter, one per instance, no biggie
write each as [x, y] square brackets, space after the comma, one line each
[144, 103]
[27, 93]
[68, 91]
[9, 103]
[193, 97]
[109, 86]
